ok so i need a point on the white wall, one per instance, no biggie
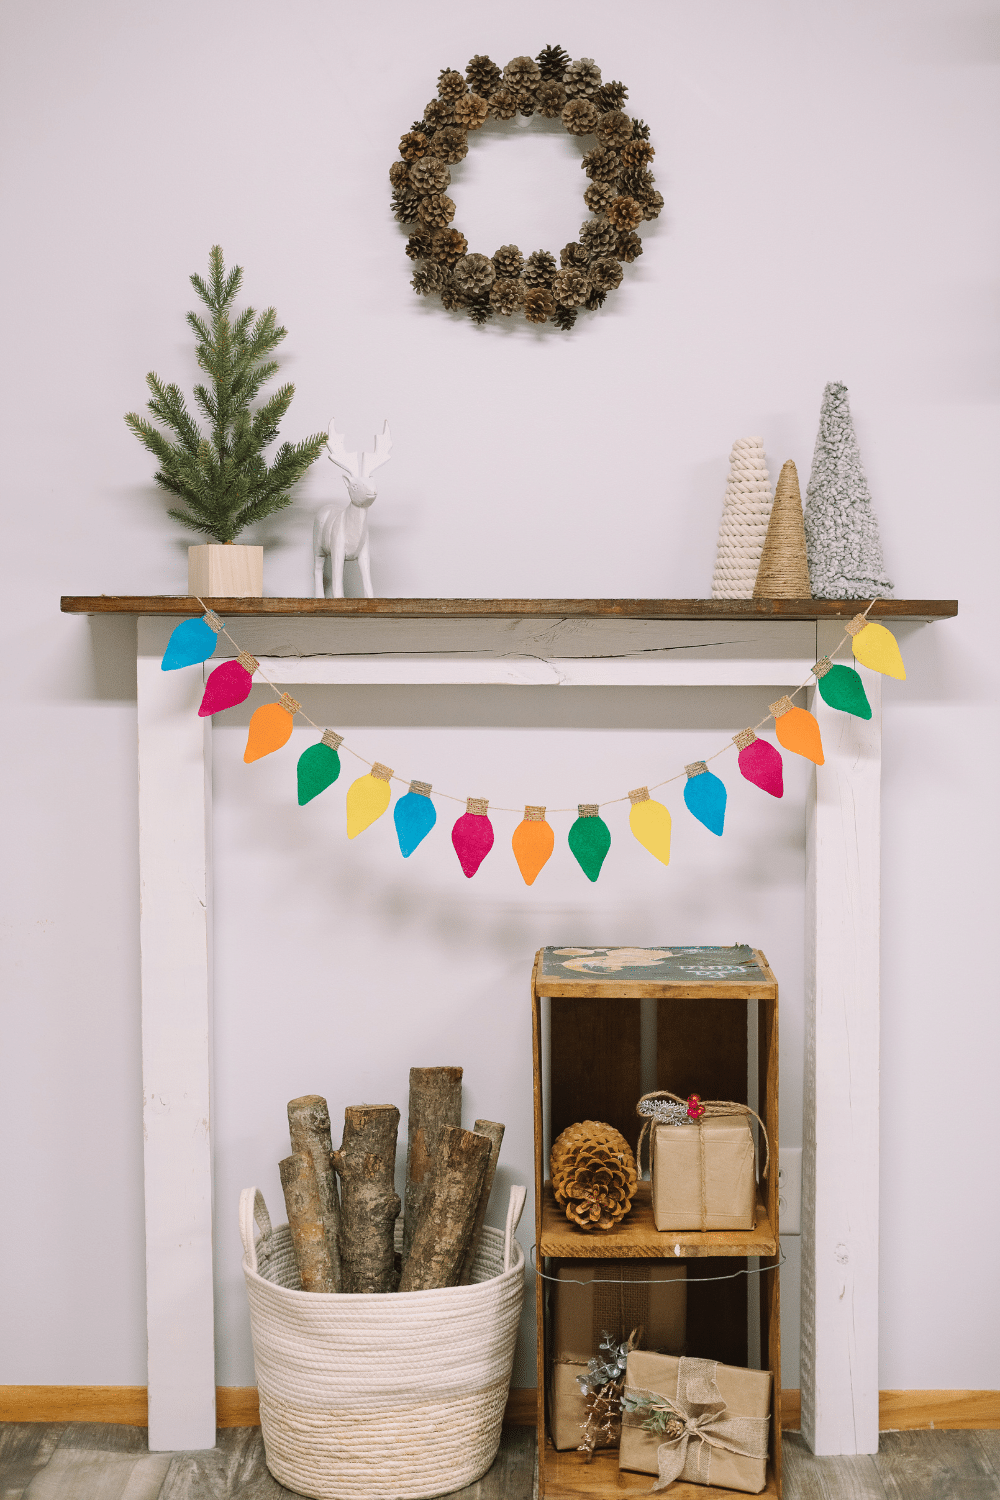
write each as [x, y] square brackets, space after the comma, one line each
[830, 185]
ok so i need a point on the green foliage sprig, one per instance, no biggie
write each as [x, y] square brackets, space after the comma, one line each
[223, 478]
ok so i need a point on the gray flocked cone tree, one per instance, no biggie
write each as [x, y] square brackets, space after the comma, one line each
[842, 538]
[224, 479]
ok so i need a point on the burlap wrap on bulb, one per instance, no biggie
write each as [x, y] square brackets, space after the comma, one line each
[725, 1414]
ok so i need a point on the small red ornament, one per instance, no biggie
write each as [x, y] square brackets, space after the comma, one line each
[695, 1107]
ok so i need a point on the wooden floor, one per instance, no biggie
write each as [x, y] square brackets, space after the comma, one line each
[97, 1461]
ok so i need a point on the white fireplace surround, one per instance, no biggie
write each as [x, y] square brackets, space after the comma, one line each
[839, 1358]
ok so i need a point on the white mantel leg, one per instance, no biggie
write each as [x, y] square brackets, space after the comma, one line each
[174, 844]
[840, 1182]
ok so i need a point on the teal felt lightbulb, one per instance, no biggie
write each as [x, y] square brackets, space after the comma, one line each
[590, 839]
[318, 766]
[414, 816]
[192, 641]
[705, 797]
[841, 687]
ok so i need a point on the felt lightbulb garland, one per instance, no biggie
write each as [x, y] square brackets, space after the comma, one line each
[194, 641]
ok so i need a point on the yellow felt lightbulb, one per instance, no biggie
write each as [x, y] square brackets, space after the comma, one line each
[797, 730]
[650, 822]
[367, 799]
[875, 647]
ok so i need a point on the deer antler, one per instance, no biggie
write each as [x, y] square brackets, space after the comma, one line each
[338, 454]
[380, 455]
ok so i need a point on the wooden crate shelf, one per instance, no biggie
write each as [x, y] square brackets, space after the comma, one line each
[637, 1238]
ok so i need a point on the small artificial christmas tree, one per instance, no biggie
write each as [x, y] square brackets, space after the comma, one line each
[844, 549]
[783, 573]
[224, 479]
[745, 514]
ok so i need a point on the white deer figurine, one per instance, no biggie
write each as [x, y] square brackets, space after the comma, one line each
[341, 534]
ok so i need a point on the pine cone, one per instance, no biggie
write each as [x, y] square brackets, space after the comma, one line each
[450, 144]
[522, 74]
[580, 117]
[480, 308]
[405, 205]
[574, 256]
[451, 298]
[605, 275]
[628, 246]
[636, 154]
[470, 112]
[551, 99]
[448, 246]
[508, 261]
[413, 145]
[474, 274]
[571, 287]
[419, 245]
[652, 205]
[429, 175]
[503, 103]
[423, 127]
[598, 196]
[399, 174]
[594, 301]
[439, 112]
[482, 75]
[539, 304]
[451, 84]
[429, 279]
[594, 1174]
[610, 96]
[553, 62]
[624, 213]
[582, 78]
[436, 210]
[614, 129]
[637, 185]
[564, 317]
[506, 295]
[539, 269]
[602, 165]
[597, 236]
[640, 130]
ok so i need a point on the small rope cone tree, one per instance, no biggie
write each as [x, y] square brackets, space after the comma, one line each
[842, 538]
[593, 1174]
[783, 571]
[745, 514]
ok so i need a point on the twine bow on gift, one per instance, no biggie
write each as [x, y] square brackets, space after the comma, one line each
[699, 1413]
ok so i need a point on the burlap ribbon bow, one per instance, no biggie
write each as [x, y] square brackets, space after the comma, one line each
[699, 1405]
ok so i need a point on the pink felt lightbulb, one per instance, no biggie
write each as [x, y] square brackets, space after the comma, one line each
[759, 762]
[229, 684]
[472, 835]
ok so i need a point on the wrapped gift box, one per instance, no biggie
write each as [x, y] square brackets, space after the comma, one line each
[592, 1298]
[703, 1174]
[730, 1407]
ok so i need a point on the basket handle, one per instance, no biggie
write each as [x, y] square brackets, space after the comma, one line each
[515, 1209]
[252, 1206]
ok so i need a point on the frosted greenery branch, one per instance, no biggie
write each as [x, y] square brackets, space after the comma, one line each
[223, 478]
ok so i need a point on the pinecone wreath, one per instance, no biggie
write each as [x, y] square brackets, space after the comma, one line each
[593, 1174]
[618, 192]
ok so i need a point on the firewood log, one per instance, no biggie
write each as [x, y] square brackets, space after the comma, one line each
[369, 1203]
[494, 1134]
[435, 1104]
[309, 1128]
[442, 1238]
[305, 1220]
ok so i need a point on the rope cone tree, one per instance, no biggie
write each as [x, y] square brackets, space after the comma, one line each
[842, 538]
[746, 511]
[783, 571]
[593, 1174]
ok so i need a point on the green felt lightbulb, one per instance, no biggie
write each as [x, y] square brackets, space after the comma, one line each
[590, 839]
[841, 687]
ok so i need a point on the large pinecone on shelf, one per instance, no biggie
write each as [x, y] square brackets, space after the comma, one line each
[474, 274]
[551, 99]
[553, 62]
[482, 75]
[610, 96]
[471, 111]
[449, 144]
[614, 129]
[451, 84]
[593, 1174]
[539, 268]
[429, 175]
[448, 246]
[580, 117]
[508, 261]
[582, 78]
[602, 165]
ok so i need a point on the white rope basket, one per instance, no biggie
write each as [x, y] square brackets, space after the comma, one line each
[372, 1396]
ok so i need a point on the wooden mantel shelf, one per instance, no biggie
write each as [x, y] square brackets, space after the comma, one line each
[515, 609]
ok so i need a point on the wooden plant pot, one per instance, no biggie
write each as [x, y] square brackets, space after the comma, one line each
[226, 570]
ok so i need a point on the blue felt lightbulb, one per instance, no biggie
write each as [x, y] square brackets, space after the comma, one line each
[414, 816]
[705, 796]
[193, 641]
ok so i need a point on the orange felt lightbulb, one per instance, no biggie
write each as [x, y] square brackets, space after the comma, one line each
[270, 728]
[797, 730]
[532, 843]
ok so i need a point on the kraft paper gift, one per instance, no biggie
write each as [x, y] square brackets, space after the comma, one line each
[594, 1298]
[703, 1174]
[719, 1420]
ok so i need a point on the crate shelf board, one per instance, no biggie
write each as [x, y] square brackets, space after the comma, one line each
[736, 973]
[637, 1238]
[567, 1477]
